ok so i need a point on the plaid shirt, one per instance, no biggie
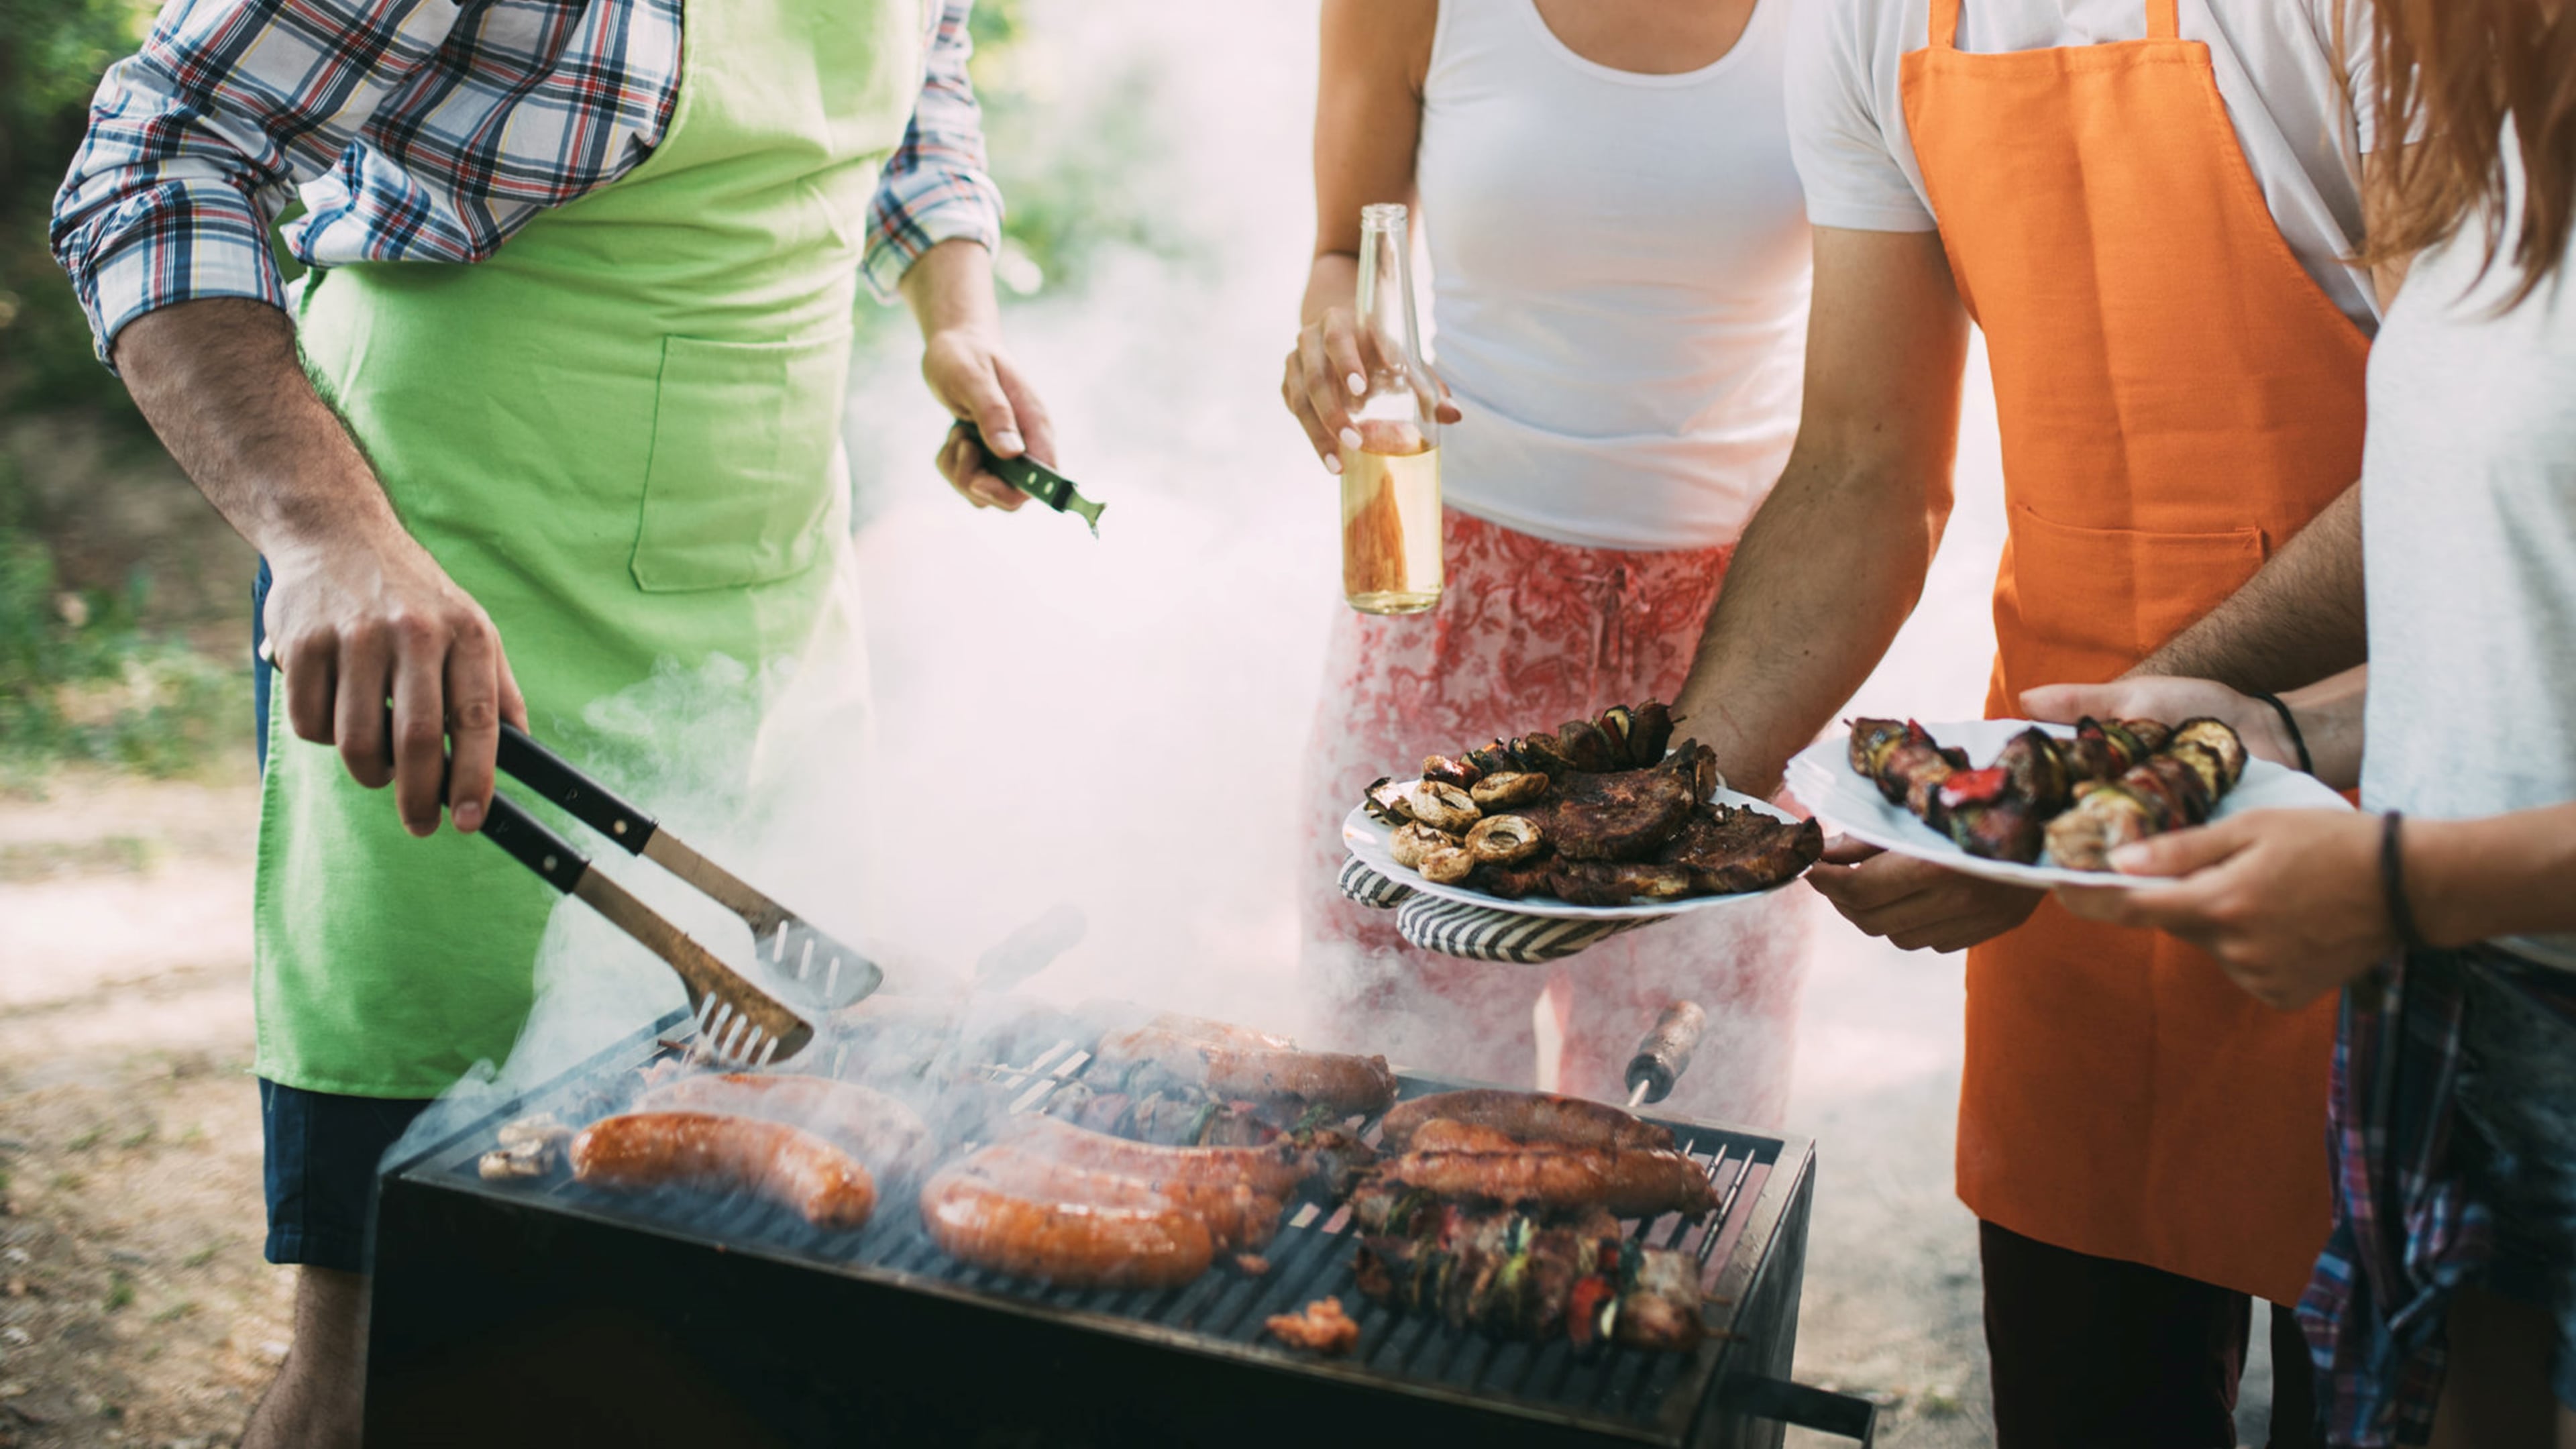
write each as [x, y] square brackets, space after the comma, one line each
[422, 132]
[2407, 1234]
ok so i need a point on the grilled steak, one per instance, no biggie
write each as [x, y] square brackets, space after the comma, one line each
[1728, 848]
[1621, 815]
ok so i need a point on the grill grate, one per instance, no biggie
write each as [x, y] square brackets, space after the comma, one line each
[1650, 1396]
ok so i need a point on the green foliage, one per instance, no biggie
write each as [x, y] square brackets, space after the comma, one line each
[1074, 183]
[82, 679]
[52, 53]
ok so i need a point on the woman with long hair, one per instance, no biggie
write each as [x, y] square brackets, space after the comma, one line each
[2444, 1307]
[1619, 252]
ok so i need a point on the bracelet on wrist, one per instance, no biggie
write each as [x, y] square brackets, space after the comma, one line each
[2392, 883]
[2289, 722]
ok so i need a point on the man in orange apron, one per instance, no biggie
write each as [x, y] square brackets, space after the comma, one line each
[2179, 392]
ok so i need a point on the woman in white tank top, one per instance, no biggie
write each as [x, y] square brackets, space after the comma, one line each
[1618, 250]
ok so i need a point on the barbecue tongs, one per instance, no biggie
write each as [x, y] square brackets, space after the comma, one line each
[737, 1021]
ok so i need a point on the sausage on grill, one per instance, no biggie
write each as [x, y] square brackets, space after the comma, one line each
[639, 1151]
[877, 1129]
[1236, 1216]
[1530, 1116]
[981, 1221]
[1632, 1183]
[1271, 1171]
[1332, 1079]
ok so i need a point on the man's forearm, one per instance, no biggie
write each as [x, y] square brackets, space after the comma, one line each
[221, 382]
[950, 288]
[2330, 714]
[1819, 586]
[2298, 620]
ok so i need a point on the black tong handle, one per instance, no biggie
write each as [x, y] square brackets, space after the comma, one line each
[559, 781]
[512, 828]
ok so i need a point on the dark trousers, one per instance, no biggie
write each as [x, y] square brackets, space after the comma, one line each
[2095, 1353]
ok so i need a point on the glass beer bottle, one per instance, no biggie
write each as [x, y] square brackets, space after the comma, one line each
[1391, 478]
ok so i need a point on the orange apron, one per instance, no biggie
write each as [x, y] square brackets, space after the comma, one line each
[2177, 396]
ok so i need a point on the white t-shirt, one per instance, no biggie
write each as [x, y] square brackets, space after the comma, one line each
[2468, 526]
[2285, 71]
[1619, 280]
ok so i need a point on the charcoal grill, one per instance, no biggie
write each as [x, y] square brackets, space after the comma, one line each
[542, 1311]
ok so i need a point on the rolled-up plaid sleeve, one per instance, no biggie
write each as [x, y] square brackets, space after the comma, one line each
[196, 142]
[935, 188]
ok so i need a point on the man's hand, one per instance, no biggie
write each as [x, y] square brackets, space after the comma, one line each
[2287, 900]
[366, 620]
[1914, 904]
[2158, 697]
[974, 378]
[950, 288]
[359, 613]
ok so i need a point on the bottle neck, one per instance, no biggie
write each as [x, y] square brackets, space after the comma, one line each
[1386, 293]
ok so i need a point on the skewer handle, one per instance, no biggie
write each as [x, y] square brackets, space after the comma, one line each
[1664, 1053]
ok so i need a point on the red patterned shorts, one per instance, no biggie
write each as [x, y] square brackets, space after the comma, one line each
[1530, 634]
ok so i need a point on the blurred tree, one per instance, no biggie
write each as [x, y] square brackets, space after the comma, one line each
[51, 55]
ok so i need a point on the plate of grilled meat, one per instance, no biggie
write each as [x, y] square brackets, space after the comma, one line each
[2049, 803]
[1605, 818]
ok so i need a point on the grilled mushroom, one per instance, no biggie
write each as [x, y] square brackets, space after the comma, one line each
[1588, 747]
[1447, 865]
[1412, 842]
[1494, 759]
[1541, 752]
[1509, 788]
[1384, 801]
[1442, 807]
[1447, 771]
[1504, 839]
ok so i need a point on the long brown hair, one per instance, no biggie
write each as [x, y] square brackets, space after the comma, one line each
[2449, 73]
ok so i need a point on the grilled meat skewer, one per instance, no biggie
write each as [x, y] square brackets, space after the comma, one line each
[2177, 788]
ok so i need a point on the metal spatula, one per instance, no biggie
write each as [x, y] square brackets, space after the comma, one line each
[738, 1023]
[808, 963]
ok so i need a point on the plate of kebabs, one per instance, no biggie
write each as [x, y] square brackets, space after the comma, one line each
[1604, 818]
[2049, 803]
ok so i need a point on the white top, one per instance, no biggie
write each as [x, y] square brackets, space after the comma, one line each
[2469, 534]
[2279, 70]
[1619, 280]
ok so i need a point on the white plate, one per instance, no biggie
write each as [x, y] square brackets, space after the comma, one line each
[1848, 801]
[1368, 837]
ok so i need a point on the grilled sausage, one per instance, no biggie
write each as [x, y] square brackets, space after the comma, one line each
[876, 1129]
[1271, 1171]
[1631, 1184]
[640, 1151]
[1235, 1215]
[980, 1221]
[1529, 1116]
[1343, 1083]
[1441, 1134]
[1219, 1033]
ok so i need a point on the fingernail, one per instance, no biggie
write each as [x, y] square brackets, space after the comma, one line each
[469, 816]
[1007, 440]
[1357, 384]
[1332, 464]
[1350, 437]
[2133, 854]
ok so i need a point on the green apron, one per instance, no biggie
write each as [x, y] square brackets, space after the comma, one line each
[621, 435]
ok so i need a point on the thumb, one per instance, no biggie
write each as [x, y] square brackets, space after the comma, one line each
[2067, 703]
[982, 401]
[2181, 852]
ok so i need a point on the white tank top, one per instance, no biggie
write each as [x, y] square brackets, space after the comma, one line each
[1619, 280]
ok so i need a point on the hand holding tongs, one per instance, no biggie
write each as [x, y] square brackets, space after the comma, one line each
[738, 1021]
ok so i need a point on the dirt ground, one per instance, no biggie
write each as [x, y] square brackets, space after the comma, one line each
[137, 1308]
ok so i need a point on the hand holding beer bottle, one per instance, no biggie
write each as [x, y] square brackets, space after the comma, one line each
[1391, 476]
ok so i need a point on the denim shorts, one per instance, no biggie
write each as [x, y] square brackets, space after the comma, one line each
[2515, 1136]
[323, 1149]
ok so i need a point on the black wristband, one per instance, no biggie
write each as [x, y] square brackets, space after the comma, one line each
[2290, 722]
[2392, 884]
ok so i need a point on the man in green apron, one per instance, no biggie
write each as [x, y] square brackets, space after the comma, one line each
[560, 401]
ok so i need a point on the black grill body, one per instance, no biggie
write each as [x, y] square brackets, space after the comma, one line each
[544, 1312]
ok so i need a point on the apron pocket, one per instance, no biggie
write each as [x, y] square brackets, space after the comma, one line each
[2094, 601]
[740, 477]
